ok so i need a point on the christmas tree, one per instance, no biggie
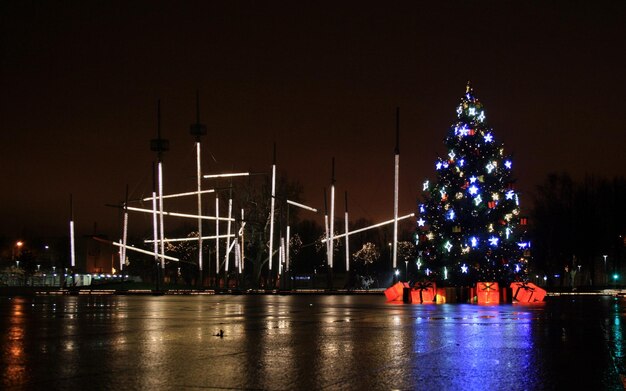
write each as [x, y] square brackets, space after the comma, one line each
[469, 226]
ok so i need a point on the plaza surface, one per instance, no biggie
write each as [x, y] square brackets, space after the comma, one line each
[274, 342]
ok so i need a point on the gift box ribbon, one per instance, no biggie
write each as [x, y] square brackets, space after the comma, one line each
[524, 286]
[422, 286]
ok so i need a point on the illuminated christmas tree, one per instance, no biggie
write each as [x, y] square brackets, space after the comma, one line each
[469, 226]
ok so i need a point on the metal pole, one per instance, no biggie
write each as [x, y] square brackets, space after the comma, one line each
[155, 228]
[242, 243]
[273, 194]
[198, 130]
[227, 256]
[347, 239]
[124, 232]
[332, 216]
[327, 240]
[72, 243]
[395, 190]
[199, 209]
[161, 225]
[217, 237]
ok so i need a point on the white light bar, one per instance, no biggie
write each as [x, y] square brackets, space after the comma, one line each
[72, 246]
[166, 240]
[179, 214]
[145, 251]
[181, 194]
[371, 226]
[301, 206]
[226, 175]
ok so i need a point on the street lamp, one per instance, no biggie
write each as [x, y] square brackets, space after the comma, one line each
[406, 270]
[605, 275]
[17, 253]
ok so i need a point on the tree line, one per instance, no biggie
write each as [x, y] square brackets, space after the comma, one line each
[577, 223]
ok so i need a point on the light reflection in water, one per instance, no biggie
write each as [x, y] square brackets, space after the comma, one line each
[289, 342]
[13, 355]
[458, 342]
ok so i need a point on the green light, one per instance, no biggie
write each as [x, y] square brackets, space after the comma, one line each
[615, 276]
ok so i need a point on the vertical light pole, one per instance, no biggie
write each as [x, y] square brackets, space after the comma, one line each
[155, 225]
[288, 234]
[395, 189]
[347, 237]
[160, 145]
[332, 217]
[281, 259]
[72, 243]
[243, 243]
[228, 227]
[326, 228]
[124, 233]
[198, 130]
[606, 277]
[217, 238]
[273, 196]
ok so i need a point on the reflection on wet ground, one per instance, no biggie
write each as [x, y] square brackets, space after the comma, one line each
[308, 342]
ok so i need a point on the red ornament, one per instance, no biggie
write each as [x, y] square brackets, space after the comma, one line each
[523, 221]
[491, 204]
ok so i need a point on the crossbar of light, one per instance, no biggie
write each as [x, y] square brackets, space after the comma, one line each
[181, 194]
[180, 214]
[370, 227]
[144, 251]
[301, 206]
[211, 176]
[167, 240]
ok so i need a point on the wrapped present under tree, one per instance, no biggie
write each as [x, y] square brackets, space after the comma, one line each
[527, 292]
[394, 292]
[424, 292]
[487, 293]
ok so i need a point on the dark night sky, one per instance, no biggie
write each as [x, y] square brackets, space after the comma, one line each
[80, 82]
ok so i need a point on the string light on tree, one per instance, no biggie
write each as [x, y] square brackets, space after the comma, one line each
[462, 229]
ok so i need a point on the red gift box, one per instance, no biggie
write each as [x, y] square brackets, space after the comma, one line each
[423, 292]
[488, 293]
[527, 292]
[394, 292]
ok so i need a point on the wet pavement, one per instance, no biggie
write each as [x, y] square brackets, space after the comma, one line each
[308, 342]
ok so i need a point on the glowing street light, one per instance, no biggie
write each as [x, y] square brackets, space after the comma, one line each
[17, 253]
